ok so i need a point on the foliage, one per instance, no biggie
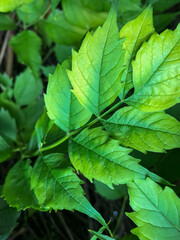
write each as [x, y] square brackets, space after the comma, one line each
[111, 97]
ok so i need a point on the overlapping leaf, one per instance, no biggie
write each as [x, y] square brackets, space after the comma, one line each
[8, 217]
[27, 46]
[27, 88]
[144, 131]
[135, 32]
[60, 31]
[17, 189]
[77, 13]
[9, 5]
[157, 211]
[5, 149]
[156, 72]
[57, 187]
[97, 156]
[97, 67]
[62, 106]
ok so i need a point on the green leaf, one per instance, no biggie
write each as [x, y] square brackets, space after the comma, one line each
[10, 5]
[99, 157]
[17, 189]
[108, 193]
[29, 13]
[135, 32]
[60, 31]
[5, 80]
[78, 14]
[8, 125]
[27, 88]
[12, 108]
[6, 23]
[101, 230]
[156, 74]
[32, 113]
[144, 131]
[129, 5]
[8, 217]
[62, 106]
[48, 70]
[62, 52]
[42, 128]
[157, 211]
[27, 46]
[5, 150]
[97, 67]
[54, 4]
[161, 21]
[163, 5]
[57, 187]
[101, 236]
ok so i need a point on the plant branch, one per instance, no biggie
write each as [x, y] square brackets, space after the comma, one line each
[4, 46]
[120, 215]
[60, 141]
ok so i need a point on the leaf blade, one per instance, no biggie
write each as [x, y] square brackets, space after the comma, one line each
[157, 211]
[97, 67]
[144, 131]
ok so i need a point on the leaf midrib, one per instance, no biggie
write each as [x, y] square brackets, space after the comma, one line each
[143, 174]
[156, 207]
[137, 126]
[68, 193]
[150, 77]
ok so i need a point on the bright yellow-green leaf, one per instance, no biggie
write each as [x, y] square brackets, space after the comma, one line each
[156, 72]
[157, 211]
[99, 157]
[144, 131]
[135, 32]
[10, 5]
[62, 106]
[97, 67]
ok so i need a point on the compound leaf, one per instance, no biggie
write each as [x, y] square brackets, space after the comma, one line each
[157, 211]
[144, 131]
[17, 189]
[97, 156]
[60, 31]
[97, 67]
[57, 187]
[156, 72]
[62, 106]
[135, 32]
[10, 5]
[27, 46]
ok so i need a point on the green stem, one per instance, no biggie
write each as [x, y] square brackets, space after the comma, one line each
[120, 215]
[60, 141]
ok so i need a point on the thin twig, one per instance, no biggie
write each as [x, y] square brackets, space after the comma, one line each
[9, 59]
[15, 235]
[5, 43]
[120, 214]
[65, 225]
